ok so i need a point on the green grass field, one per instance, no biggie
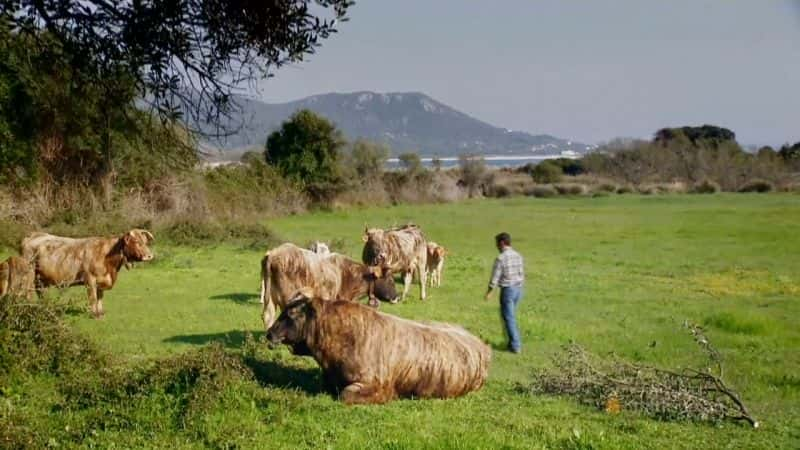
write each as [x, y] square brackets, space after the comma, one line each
[617, 274]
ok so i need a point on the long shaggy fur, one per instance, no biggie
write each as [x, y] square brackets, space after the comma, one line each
[371, 357]
[403, 250]
[288, 270]
[16, 277]
[94, 262]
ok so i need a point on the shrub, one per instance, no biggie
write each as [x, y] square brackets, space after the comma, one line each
[760, 186]
[541, 191]
[646, 189]
[570, 189]
[599, 194]
[606, 187]
[625, 189]
[546, 172]
[706, 187]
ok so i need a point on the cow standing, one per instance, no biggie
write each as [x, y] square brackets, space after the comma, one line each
[289, 269]
[402, 250]
[370, 357]
[435, 263]
[94, 262]
[16, 277]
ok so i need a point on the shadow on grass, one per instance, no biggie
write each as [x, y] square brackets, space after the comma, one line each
[267, 372]
[229, 339]
[238, 297]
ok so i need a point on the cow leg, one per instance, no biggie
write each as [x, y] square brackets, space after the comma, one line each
[91, 289]
[268, 313]
[407, 279]
[358, 393]
[422, 281]
[100, 311]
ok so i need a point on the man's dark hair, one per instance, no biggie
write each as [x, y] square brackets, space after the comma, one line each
[503, 237]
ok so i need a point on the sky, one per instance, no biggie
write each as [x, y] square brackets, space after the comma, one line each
[583, 70]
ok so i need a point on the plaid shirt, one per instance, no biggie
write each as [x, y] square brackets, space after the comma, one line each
[507, 270]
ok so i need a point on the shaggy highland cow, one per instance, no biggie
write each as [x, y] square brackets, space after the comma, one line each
[94, 262]
[370, 357]
[16, 277]
[289, 269]
[403, 250]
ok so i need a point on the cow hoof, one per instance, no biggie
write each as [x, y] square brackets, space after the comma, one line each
[373, 303]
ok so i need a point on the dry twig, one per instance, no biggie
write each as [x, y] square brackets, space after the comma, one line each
[613, 384]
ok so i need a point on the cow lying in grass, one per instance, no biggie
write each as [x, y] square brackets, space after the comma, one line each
[371, 357]
[94, 262]
[289, 269]
[16, 277]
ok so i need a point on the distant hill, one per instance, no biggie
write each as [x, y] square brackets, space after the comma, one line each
[404, 121]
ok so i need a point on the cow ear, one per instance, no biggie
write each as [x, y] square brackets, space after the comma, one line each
[365, 237]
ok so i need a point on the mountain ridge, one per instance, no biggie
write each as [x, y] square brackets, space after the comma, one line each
[406, 121]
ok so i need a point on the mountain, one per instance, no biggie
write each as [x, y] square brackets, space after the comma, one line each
[405, 121]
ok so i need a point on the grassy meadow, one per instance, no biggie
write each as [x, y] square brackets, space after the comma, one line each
[614, 274]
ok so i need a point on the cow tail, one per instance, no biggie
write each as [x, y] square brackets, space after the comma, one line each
[265, 279]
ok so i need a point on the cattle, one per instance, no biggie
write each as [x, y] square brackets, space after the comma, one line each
[370, 357]
[16, 278]
[402, 250]
[435, 263]
[320, 248]
[289, 269]
[94, 262]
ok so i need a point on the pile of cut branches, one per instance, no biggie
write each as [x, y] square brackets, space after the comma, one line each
[613, 384]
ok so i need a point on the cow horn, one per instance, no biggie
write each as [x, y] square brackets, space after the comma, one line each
[150, 237]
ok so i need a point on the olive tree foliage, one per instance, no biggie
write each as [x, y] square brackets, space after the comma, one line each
[56, 124]
[473, 172]
[185, 57]
[307, 150]
[368, 158]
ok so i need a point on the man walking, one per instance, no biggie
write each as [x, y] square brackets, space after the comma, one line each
[508, 273]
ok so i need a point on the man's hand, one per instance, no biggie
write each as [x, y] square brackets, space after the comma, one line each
[488, 295]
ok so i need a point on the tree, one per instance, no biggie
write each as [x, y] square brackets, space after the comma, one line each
[307, 149]
[411, 163]
[546, 172]
[473, 172]
[436, 163]
[368, 158]
[186, 57]
[709, 134]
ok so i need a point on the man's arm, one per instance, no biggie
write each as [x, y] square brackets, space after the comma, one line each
[497, 270]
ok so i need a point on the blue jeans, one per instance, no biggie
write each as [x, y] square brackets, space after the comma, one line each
[509, 299]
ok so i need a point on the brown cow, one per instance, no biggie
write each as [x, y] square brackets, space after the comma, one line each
[289, 269]
[402, 250]
[94, 262]
[435, 263]
[16, 277]
[371, 357]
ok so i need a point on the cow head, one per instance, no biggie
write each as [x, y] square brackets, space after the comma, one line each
[381, 284]
[290, 327]
[374, 252]
[135, 245]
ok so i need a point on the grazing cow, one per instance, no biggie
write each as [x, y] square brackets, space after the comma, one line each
[350, 343]
[320, 248]
[94, 262]
[435, 263]
[16, 277]
[289, 269]
[401, 249]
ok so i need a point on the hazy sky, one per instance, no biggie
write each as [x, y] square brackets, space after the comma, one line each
[585, 70]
